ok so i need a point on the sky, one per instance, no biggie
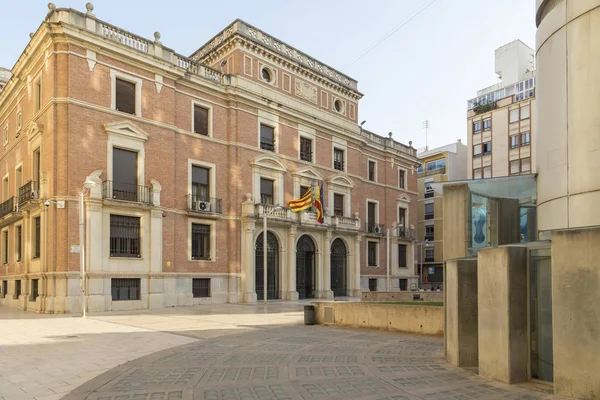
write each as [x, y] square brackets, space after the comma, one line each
[427, 70]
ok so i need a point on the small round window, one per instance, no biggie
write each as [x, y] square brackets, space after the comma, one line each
[338, 105]
[266, 74]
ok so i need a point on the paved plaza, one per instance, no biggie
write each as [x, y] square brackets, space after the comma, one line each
[226, 352]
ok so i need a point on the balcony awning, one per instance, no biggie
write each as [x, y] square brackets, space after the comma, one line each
[520, 187]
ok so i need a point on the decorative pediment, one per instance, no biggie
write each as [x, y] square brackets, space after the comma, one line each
[33, 130]
[404, 198]
[127, 129]
[268, 162]
[308, 172]
[341, 180]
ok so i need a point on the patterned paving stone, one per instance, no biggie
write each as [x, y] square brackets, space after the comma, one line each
[157, 395]
[249, 359]
[237, 374]
[348, 388]
[394, 369]
[403, 360]
[262, 392]
[197, 357]
[137, 378]
[326, 359]
[430, 380]
[333, 371]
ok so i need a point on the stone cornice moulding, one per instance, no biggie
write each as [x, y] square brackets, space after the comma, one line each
[268, 162]
[340, 180]
[307, 172]
[127, 129]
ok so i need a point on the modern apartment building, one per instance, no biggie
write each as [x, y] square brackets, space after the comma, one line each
[180, 159]
[442, 164]
[500, 120]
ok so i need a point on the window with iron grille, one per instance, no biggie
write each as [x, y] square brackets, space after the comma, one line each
[372, 167]
[34, 289]
[429, 232]
[37, 238]
[200, 242]
[338, 205]
[17, 289]
[338, 159]
[201, 287]
[401, 177]
[403, 284]
[372, 254]
[125, 96]
[125, 289]
[124, 236]
[305, 149]
[267, 137]
[266, 191]
[401, 256]
[200, 120]
[373, 285]
[19, 241]
[5, 247]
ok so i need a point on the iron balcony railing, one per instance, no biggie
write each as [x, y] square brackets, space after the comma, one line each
[339, 165]
[429, 194]
[429, 237]
[406, 233]
[374, 228]
[432, 172]
[306, 156]
[429, 259]
[270, 146]
[126, 192]
[7, 207]
[27, 192]
[203, 204]
[429, 216]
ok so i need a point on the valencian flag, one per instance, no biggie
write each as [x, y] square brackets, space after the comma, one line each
[313, 197]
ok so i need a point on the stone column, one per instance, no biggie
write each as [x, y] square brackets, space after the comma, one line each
[248, 257]
[355, 288]
[292, 293]
[461, 336]
[502, 313]
[155, 281]
[327, 293]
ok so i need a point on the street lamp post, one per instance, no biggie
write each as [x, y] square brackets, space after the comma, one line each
[86, 185]
[265, 213]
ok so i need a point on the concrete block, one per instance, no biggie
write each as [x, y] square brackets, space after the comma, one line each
[156, 300]
[502, 313]
[575, 312]
[462, 343]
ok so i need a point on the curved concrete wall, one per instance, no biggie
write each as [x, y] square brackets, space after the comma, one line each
[568, 96]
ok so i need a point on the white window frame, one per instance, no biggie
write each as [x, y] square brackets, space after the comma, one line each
[212, 171]
[213, 239]
[339, 144]
[308, 133]
[367, 201]
[340, 186]
[268, 167]
[210, 117]
[17, 186]
[405, 177]
[114, 74]
[403, 203]
[272, 70]
[480, 122]
[272, 120]
[126, 143]
[378, 245]
[483, 123]
[369, 160]
[37, 95]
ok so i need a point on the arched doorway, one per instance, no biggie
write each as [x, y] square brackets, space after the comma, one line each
[305, 268]
[272, 267]
[339, 279]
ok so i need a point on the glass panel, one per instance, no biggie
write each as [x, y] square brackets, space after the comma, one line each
[514, 141]
[487, 124]
[200, 184]
[124, 169]
[266, 191]
[125, 96]
[338, 205]
[200, 120]
[402, 256]
[540, 315]
[479, 206]
[267, 137]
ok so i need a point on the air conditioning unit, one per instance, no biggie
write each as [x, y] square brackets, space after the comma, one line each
[377, 229]
[203, 206]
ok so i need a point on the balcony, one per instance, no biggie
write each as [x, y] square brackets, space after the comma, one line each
[28, 193]
[306, 156]
[339, 165]
[7, 207]
[405, 233]
[201, 204]
[374, 229]
[112, 190]
[272, 213]
[429, 259]
[270, 146]
[429, 238]
[429, 194]
[429, 216]
[339, 222]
